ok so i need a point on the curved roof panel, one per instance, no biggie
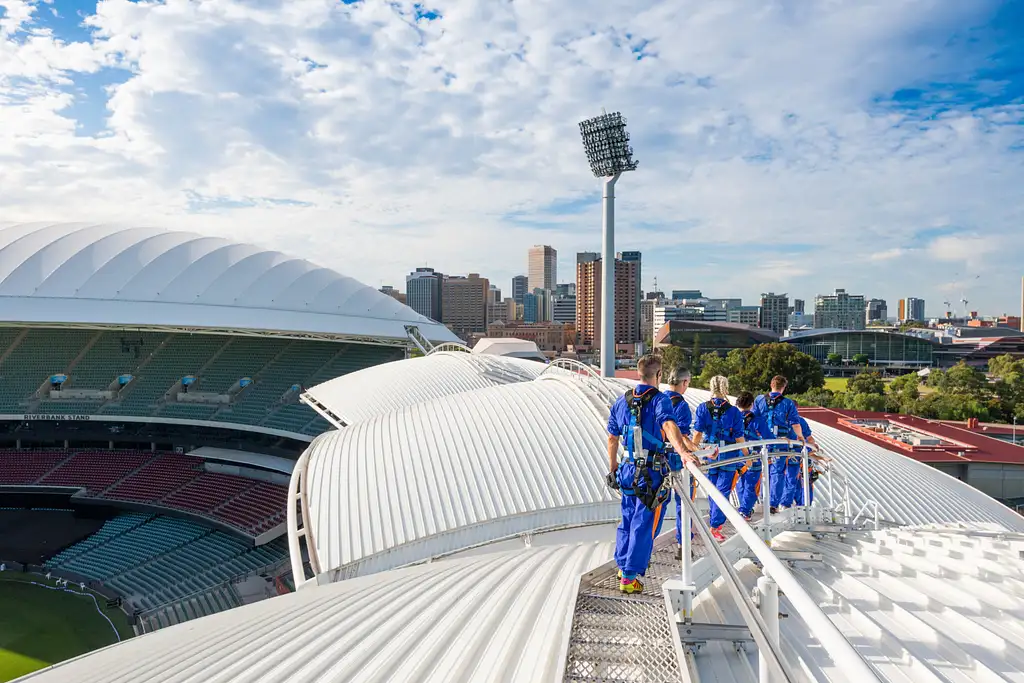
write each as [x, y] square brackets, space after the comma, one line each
[474, 467]
[929, 604]
[457, 471]
[108, 275]
[441, 373]
[469, 619]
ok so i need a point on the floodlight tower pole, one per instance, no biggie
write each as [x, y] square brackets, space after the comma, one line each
[608, 279]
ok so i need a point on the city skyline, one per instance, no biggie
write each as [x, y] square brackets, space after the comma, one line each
[872, 147]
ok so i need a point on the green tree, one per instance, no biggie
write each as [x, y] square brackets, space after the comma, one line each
[965, 380]
[713, 364]
[815, 398]
[875, 403]
[1004, 365]
[762, 362]
[866, 383]
[672, 356]
[835, 359]
[860, 359]
[695, 353]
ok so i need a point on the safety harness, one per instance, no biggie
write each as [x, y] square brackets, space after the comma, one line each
[780, 431]
[645, 464]
[754, 464]
[716, 412]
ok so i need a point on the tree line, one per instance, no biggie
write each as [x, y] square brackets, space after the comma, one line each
[959, 393]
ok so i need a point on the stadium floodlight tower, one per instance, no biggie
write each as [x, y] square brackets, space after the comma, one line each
[607, 145]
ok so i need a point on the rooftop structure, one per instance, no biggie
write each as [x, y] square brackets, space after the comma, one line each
[86, 275]
[882, 348]
[839, 310]
[507, 583]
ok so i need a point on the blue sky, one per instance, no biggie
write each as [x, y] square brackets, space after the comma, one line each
[783, 145]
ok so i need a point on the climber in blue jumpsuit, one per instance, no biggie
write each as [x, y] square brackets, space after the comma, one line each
[783, 421]
[644, 500]
[793, 493]
[678, 380]
[720, 422]
[748, 488]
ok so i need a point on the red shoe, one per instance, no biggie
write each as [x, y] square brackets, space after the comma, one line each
[716, 534]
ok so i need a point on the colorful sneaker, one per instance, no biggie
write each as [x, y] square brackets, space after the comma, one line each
[630, 586]
[747, 515]
[716, 534]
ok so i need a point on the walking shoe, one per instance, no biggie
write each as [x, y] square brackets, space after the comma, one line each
[716, 534]
[630, 586]
[747, 515]
[774, 510]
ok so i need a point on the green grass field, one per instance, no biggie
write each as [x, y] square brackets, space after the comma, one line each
[39, 627]
[836, 383]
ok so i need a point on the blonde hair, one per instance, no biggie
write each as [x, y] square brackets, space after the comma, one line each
[719, 386]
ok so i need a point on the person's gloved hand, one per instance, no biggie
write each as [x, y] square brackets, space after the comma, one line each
[612, 480]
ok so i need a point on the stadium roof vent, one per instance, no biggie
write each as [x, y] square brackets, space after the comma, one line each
[85, 274]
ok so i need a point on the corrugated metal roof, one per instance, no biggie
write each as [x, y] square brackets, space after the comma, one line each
[475, 467]
[391, 386]
[456, 471]
[927, 605]
[497, 617]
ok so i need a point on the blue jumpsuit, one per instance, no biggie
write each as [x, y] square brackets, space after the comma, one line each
[634, 539]
[780, 421]
[723, 431]
[681, 412]
[793, 491]
[748, 488]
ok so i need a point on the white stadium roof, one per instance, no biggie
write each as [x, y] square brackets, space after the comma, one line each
[501, 616]
[441, 373]
[86, 274]
[938, 599]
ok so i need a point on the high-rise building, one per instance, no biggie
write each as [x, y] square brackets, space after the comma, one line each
[680, 294]
[423, 292]
[915, 309]
[774, 312]
[393, 293]
[464, 304]
[717, 310]
[747, 315]
[584, 257]
[497, 309]
[637, 258]
[654, 296]
[839, 311]
[563, 308]
[520, 285]
[588, 301]
[798, 306]
[877, 311]
[542, 267]
[565, 289]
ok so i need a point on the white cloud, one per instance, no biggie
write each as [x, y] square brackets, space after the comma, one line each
[408, 142]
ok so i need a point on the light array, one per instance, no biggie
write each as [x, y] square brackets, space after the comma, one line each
[607, 145]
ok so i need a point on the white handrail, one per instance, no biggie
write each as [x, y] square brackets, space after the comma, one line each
[831, 638]
[863, 508]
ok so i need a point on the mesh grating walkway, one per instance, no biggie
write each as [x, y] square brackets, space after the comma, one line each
[625, 638]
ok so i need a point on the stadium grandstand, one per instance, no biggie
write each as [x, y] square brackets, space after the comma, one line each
[482, 552]
[150, 410]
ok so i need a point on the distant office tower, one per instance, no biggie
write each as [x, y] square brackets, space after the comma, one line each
[637, 258]
[497, 309]
[902, 314]
[717, 310]
[520, 285]
[877, 311]
[565, 289]
[748, 315]
[588, 301]
[915, 309]
[654, 296]
[531, 308]
[680, 294]
[798, 306]
[423, 292]
[774, 312]
[393, 293]
[464, 304]
[839, 311]
[542, 267]
[584, 257]
[564, 307]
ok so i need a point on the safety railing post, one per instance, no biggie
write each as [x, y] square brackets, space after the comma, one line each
[831, 500]
[805, 469]
[768, 597]
[687, 546]
[766, 496]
